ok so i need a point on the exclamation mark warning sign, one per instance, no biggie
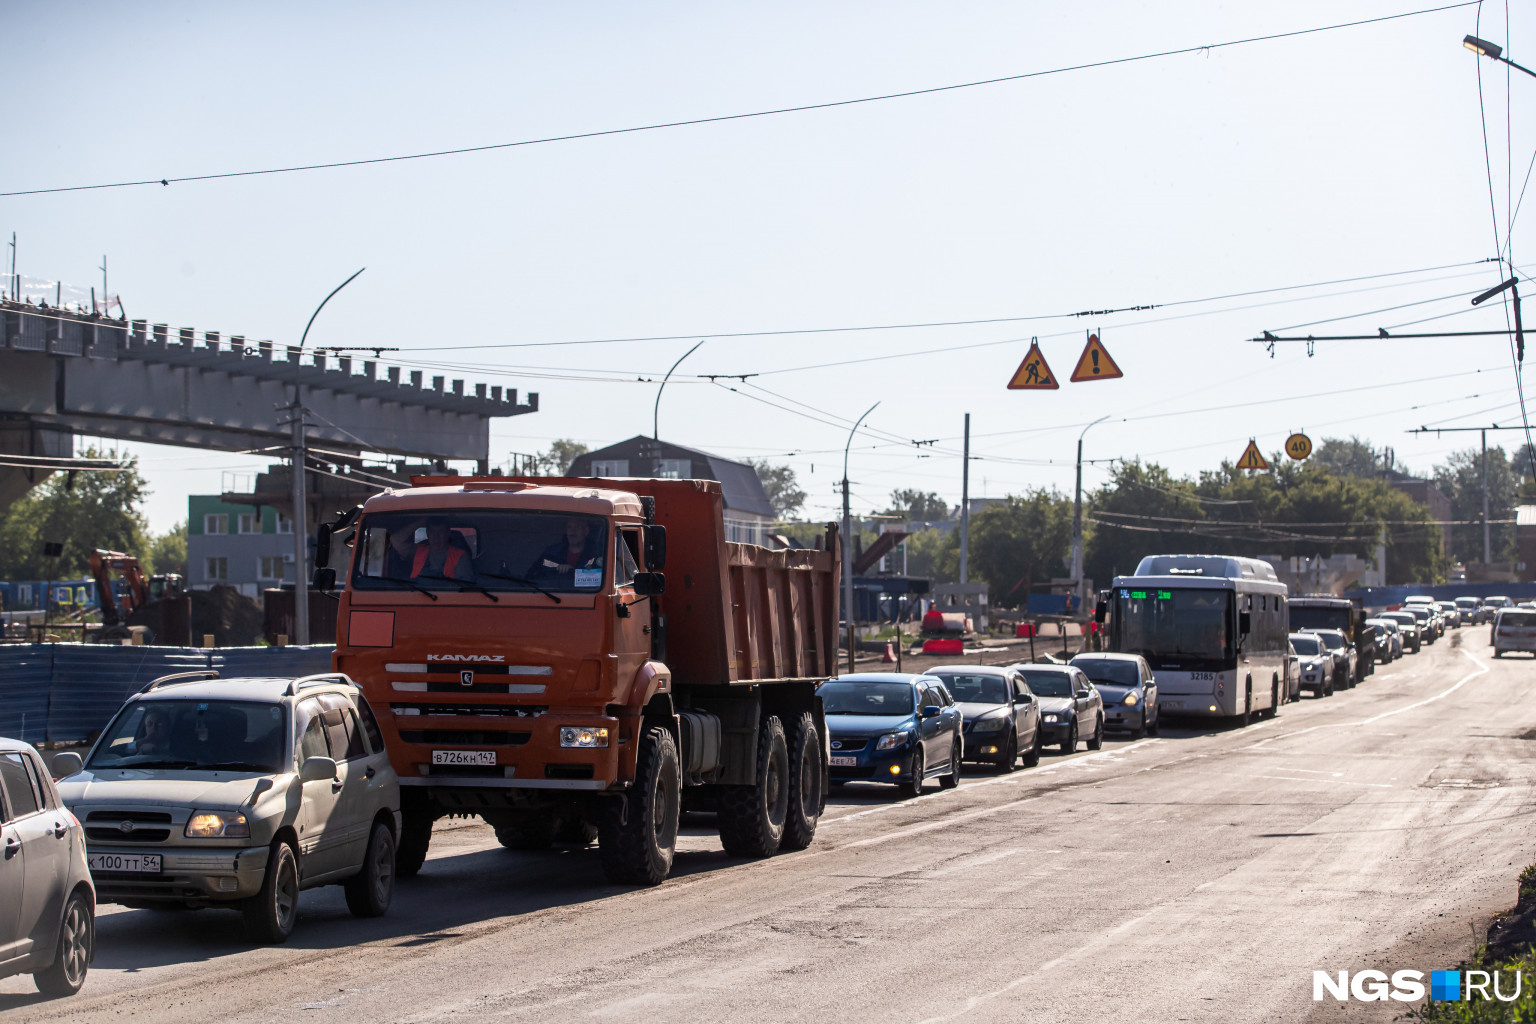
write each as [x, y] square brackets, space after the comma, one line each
[1095, 363]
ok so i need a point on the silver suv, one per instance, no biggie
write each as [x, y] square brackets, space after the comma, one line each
[47, 906]
[239, 792]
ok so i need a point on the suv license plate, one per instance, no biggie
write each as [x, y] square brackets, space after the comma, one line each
[475, 757]
[133, 863]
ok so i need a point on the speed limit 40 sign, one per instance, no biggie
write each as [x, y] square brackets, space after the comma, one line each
[1298, 446]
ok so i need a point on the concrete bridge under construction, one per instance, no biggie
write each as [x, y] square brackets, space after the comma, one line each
[64, 374]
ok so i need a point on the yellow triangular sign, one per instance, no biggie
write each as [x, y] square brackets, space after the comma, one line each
[1251, 458]
[1094, 363]
[1032, 373]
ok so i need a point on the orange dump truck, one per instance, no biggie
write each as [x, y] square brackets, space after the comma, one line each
[538, 656]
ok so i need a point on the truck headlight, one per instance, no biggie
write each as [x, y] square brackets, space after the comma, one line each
[890, 741]
[1131, 699]
[993, 724]
[583, 736]
[217, 825]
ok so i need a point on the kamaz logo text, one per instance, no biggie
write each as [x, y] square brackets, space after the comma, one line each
[466, 657]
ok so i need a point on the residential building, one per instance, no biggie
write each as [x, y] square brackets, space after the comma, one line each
[246, 547]
[1424, 492]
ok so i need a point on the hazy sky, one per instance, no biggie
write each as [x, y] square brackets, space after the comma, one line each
[1316, 158]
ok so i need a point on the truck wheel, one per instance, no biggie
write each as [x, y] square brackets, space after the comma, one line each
[752, 817]
[638, 835]
[526, 832]
[804, 784]
[369, 891]
[271, 913]
[415, 837]
[575, 831]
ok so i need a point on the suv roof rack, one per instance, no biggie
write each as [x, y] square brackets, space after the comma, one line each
[318, 679]
[182, 677]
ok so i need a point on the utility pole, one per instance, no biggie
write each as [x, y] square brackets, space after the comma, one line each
[965, 504]
[15, 278]
[1487, 526]
[847, 540]
[1077, 522]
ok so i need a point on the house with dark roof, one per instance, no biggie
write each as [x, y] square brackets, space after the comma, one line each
[748, 512]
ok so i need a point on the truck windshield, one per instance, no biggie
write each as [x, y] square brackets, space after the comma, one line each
[196, 735]
[464, 549]
[1191, 624]
[1305, 616]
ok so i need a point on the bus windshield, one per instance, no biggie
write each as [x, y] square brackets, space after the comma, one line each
[1192, 624]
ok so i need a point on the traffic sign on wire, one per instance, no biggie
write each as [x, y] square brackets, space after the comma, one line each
[1298, 446]
[1251, 458]
[1094, 363]
[1033, 374]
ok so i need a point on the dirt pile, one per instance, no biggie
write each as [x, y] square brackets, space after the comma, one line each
[234, 619]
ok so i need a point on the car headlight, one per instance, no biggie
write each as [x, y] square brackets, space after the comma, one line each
[890, 741]
[992, 724]
[217, 825]
[1131, 699]
[1051, 717]
[583, 736]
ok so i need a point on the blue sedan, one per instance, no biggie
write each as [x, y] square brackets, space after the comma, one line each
[893, 727]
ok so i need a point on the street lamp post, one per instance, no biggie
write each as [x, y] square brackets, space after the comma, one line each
[656, 411]
[1077, 520]
[300, 500]
[847, 543]
[1493, 51]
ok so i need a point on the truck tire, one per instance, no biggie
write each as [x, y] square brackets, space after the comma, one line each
[752, 817]
[526, 832]
[415, 836]
[805, 801]
[638, 835]
[575, 831]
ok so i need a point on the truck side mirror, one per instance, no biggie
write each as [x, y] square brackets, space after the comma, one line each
[649, 584]
[1244, 622]
[322, 545]
[325, 580]
[655, 548]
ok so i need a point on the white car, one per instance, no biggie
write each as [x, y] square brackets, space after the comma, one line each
[1317, 667]
[1514, 629]
[239, 793]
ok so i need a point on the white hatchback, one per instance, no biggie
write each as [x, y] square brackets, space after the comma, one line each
[1514, 629]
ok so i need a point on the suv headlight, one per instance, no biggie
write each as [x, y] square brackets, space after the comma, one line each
[891, 740]
[217, 825]
[583, 736]
[1131, 699]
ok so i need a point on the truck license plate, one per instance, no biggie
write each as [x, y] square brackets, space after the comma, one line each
[475, 757]
[133, 863]
[1170, 705]
[846, 762]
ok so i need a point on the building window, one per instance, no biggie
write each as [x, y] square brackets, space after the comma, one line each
[216, 522]
[284, 524]
[272, 567]
[249, 522]
[674, 469]
[741, 530]
[215, 569]
[610, 467]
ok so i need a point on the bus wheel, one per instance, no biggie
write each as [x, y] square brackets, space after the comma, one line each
[1247, 715]
[1274, 700]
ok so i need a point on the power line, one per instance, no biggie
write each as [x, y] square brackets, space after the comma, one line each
[802, 108]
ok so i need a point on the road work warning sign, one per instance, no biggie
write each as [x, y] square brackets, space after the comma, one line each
[1251, 458]
[1094, 363]
[1033, 373]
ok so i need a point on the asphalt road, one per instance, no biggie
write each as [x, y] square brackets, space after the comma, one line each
[1199, 876]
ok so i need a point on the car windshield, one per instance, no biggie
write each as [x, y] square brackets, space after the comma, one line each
[477, 549]
[975, 688]
[1110, 671]
[1332, 641]
[1306, 645]
[841, 697]
[194, 735]
[1048, 684]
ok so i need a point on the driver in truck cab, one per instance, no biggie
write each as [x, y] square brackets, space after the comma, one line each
[581, 549]
[440, 555]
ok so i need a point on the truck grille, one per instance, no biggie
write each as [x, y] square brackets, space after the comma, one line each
[477, 710]
[469, 737]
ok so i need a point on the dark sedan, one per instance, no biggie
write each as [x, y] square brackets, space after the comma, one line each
[1129, 691]
[893, 727]
[1002, 716]
[1070, 707]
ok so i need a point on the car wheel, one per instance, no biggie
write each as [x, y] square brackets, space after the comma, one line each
[1032, 755]
[72, 953]
[1141, 726]
[1069, 745]
[1156, 722]
[369, 891]
[271, 913]
[1096, 741]
[804, 784]
[951, 779]
[638, 834]
[1498, 653]
[1009, 758]
[912, 785]
[752, 817]
[1327, 690]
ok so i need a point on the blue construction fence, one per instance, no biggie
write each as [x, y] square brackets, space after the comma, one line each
[65, 693]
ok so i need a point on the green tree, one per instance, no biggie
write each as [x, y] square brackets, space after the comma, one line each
[557, 458]
[81, 510]
[1352, 457]
[918, 506]
[1020, 543]
[1460, 478]
[784, 494]
[934, 554]
[168, 551]
[1141, 504]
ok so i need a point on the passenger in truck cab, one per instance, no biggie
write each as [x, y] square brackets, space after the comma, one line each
[580, 550]
[441, 555]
